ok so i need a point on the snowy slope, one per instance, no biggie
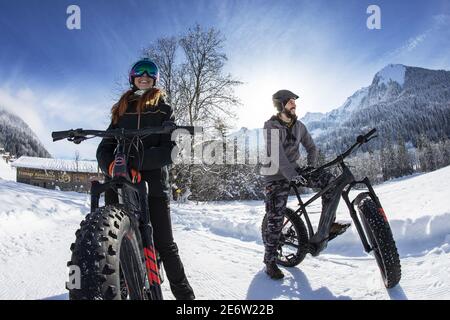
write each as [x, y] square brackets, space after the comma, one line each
[221, 248]
[392, 72]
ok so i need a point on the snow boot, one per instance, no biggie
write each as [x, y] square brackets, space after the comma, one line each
[182, 291]
[273, 271]
[337, 229]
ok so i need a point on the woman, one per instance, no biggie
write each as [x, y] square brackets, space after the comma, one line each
[143, 106]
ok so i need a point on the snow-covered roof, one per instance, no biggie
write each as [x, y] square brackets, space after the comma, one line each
[56, 164]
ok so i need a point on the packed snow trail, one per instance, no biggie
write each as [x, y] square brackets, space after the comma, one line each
[221, 248]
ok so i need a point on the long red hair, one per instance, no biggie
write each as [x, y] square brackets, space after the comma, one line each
[147, 100]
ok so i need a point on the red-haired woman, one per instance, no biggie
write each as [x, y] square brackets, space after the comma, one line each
[143, 106]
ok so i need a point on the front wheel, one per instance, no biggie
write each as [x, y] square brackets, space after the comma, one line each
[108, 255]
[381, 240]
[293, 245]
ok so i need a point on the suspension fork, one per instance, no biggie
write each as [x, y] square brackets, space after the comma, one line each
[120, 173]
[351, 208]
[97, 189]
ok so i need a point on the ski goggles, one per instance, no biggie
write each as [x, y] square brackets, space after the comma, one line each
[143, 67]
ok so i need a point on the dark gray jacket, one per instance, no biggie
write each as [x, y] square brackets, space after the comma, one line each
[288, 149]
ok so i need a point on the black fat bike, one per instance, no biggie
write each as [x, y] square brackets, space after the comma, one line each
[371, 222]
[114, 253]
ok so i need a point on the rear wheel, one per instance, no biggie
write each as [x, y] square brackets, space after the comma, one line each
[108, 253]
[293, 243]
[381, 240]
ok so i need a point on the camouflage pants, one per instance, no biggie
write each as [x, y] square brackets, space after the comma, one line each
[276, 195]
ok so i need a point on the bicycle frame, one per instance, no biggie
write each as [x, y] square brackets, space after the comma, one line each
[344, 183]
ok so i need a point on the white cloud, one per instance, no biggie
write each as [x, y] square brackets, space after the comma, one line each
[46, 111]
[409, 50]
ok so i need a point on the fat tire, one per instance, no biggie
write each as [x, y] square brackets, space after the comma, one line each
[382, 241]
[96, 252]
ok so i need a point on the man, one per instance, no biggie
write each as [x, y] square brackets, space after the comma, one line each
[284, 171]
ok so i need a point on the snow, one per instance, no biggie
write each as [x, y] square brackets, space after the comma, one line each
[392, 72]
[354, 102]
[312, 116]
[220, 245]
[6, 171]
[56, 164]
[317, 132]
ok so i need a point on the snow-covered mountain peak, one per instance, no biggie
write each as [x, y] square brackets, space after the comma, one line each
[392, 72]
[352, 103]
[312, 116]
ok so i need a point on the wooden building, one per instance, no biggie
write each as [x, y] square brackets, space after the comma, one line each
[66, 175]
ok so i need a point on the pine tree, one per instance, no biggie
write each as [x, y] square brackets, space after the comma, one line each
[403, 165]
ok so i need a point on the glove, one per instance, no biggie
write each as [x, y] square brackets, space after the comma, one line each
[299, 180]
[135, 176]
[302, 177]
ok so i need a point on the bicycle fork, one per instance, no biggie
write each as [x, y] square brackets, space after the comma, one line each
[351, 208]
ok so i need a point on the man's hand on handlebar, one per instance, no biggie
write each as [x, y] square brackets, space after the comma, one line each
[299, 180]
[303, 175]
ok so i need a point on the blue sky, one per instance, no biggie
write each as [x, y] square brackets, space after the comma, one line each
[55, 78]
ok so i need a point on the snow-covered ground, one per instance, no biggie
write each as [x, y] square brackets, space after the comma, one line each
[221, 248]
[6, 171]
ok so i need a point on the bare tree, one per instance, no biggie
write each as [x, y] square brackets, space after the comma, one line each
[77, 158]
[163, 53]
[197, 87]
[206, 91]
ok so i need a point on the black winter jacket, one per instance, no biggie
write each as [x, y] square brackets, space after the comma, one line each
[157, 148]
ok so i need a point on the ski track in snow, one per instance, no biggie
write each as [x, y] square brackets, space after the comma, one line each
[222, 251]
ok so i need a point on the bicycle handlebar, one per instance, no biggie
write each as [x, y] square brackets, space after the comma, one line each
[360, 140]
[78, 135]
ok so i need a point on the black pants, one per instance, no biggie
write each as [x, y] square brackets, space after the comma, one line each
[167, 248]
[159, 208]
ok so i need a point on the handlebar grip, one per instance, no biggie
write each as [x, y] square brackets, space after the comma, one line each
[363, 138]
[60, 135]
[371, 132]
